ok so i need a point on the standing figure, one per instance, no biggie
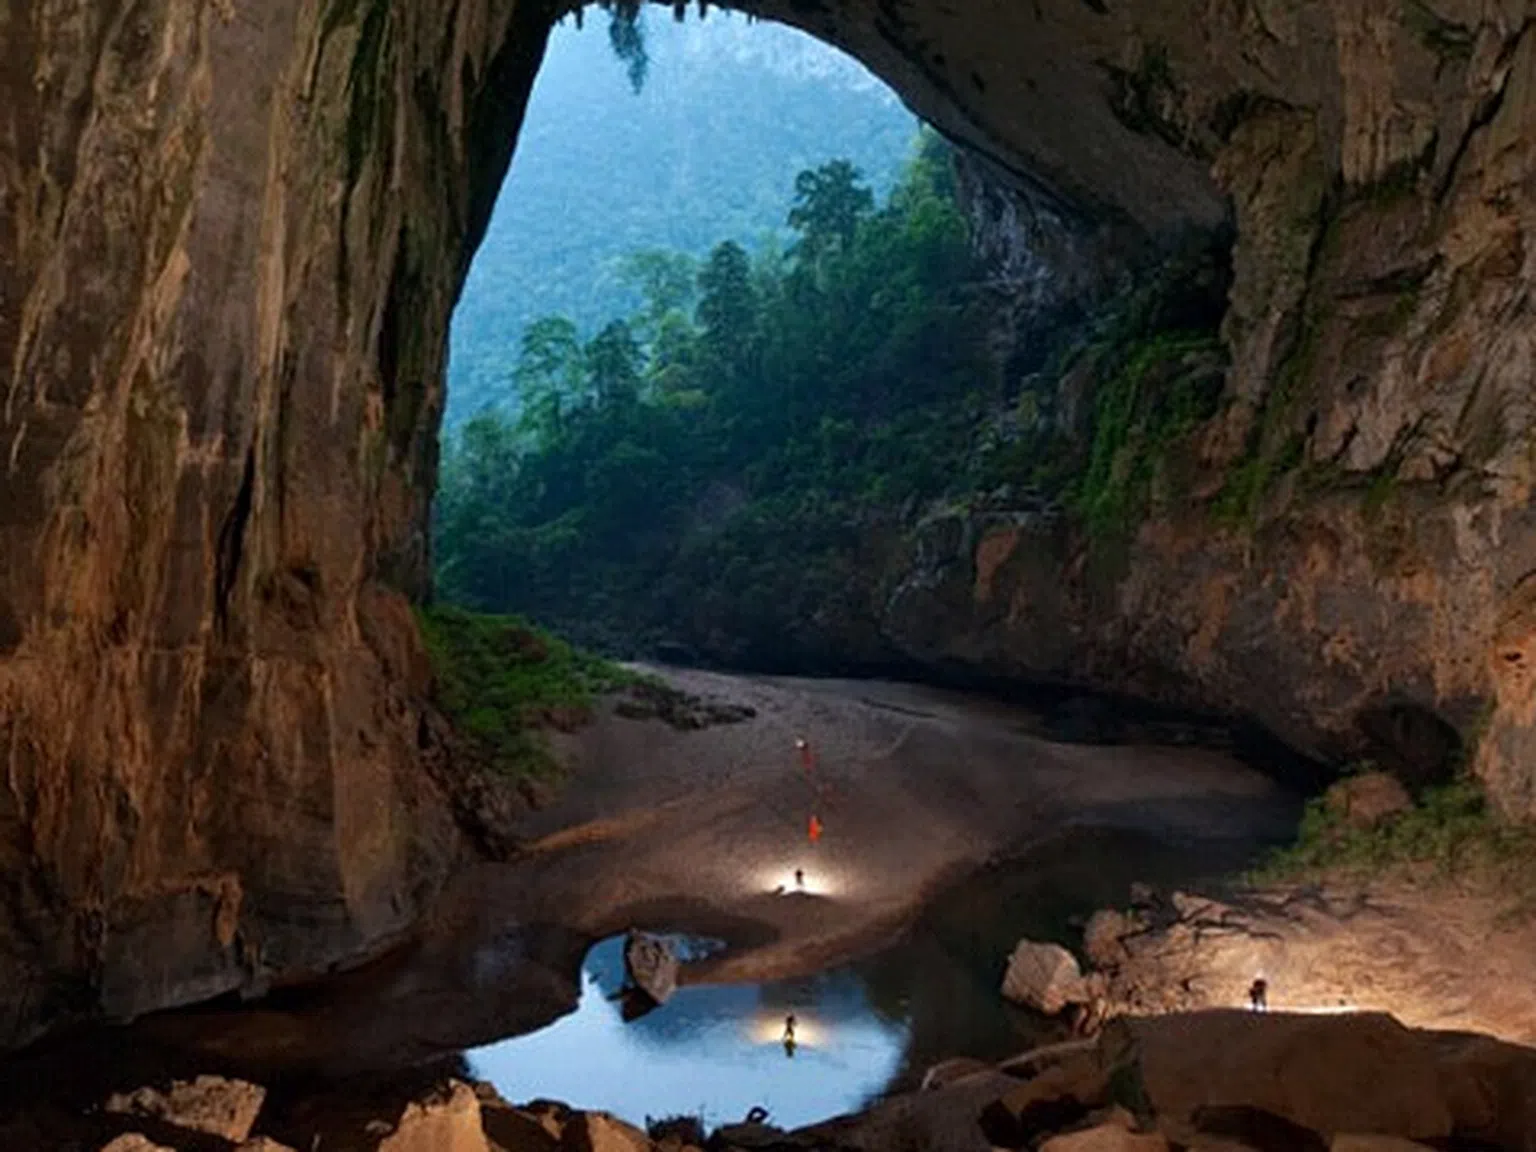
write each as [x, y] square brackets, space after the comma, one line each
[799, 883]
[789, 1035]
[1258, 995]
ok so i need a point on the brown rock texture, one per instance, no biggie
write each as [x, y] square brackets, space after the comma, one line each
[212, 1104]
[231, 236]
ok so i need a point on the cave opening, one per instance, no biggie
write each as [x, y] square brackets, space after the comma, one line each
[717, 271]
[741, 324]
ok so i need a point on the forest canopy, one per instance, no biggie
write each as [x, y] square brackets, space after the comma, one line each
[719, 445]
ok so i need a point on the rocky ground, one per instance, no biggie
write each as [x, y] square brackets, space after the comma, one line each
[696, 826]
[1223, 1081]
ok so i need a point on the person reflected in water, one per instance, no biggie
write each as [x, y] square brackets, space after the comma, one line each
[789, 1035]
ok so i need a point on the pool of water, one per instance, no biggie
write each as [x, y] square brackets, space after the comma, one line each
[714, 1052]
[863, 1029]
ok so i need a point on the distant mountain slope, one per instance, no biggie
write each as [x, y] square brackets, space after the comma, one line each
[708, 149]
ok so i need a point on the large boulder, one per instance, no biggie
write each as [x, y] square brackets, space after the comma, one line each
[651, 965]
[1044, 977]
[1328, 1074]
[600, 1132]
[513, 1130]
[211, 1104]
[447, 1121]
[1063, 1093]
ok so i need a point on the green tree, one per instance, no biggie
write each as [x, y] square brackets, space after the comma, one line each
[829, 203]
[614, 362]
[666, 280]
[550, 377]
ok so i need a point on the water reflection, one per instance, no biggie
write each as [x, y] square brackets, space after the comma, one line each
[711, 1051]
[859, 1031]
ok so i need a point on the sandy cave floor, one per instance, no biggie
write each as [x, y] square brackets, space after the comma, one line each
[693, 830]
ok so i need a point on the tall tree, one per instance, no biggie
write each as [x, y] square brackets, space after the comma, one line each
[614, 360]
[550, 376]
[829, 203]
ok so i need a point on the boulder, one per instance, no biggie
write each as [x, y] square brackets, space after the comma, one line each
[600, 1132]
[1044, 977]
[1062, 1095]
[134, 1142]
[651, 965]
[1238, 1075]
[1106, 1138]
[1366, 800]
[263, 1144]
[448, 1121]
[1374, 1142]
[947, 1072]
[513, 1130]
[211, 1104]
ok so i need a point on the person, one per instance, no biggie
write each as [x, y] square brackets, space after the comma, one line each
[799, 883]
[789, 1035]
[1258, 994]
[813, 830]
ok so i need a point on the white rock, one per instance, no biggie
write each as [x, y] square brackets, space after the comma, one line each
[652, 965]
[1044, 977]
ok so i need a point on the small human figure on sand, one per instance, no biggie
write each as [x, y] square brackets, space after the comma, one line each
[1258, 995]
[789, 1035]
[799, 883]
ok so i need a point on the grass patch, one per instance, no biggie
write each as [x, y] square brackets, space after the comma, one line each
[1450, 833]
[502, 681]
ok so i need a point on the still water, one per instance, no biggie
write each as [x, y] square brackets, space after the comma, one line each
[712, 1051]
[864, 1029]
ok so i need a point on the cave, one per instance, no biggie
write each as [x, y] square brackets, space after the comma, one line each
[231, 242]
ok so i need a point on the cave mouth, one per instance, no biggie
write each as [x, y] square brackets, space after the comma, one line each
[660, 210]
[698, 413]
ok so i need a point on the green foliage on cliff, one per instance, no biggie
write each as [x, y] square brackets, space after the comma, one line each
[710, 454]
[1451, 832]
[501, 681]
[1167, 385]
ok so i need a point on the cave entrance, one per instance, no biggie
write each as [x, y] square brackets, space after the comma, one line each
[725, 286]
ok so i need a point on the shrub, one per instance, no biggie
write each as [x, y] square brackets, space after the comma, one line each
[500, 680]
[1451, 830]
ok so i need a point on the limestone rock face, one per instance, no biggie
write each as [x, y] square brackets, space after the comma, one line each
[231, 236]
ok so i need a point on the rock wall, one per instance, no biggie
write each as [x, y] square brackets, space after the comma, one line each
[230, 238]
[231, 235]
[1348, 553]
